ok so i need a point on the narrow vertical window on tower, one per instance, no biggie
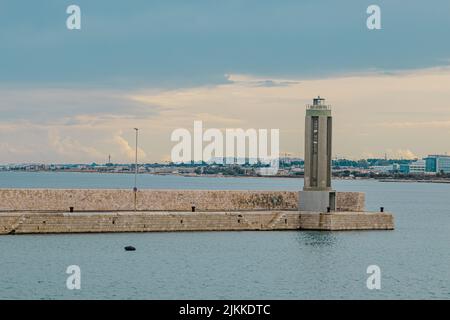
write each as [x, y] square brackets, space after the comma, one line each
[315, 134]
[315, 151]
[329, 151]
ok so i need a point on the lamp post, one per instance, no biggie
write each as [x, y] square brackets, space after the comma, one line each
[135, 162]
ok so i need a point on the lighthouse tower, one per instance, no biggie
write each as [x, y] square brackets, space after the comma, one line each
[317, 194]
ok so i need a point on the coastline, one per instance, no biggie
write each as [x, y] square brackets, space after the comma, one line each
[414, 180]
[444, 181]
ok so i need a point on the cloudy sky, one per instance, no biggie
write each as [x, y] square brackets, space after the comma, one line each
[75, 96]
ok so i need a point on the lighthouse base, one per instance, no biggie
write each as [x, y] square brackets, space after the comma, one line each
[317, 201]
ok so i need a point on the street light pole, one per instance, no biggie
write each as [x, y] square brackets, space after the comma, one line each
[135, 162]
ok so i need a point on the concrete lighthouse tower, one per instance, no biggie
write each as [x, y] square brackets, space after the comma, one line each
[317, 194]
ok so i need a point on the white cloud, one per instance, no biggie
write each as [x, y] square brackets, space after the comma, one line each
[402, 154]
[127, 150]
[416, 125]
[71, 148]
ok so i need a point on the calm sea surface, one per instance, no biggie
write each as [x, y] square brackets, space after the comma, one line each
[414, 259]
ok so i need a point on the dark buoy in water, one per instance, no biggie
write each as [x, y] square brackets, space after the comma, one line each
[130, 248]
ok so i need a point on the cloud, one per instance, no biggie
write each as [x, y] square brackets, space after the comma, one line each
[70, 106]
[258, 82]
[198, 42]
[8, 148]
[97, 125]
[71, 148]
[272, 83]
[127, 150]
[402, 154]
[416, 125]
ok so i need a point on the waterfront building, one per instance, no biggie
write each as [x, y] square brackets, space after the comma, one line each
[417, 167]
[404, 168]
[437, 163]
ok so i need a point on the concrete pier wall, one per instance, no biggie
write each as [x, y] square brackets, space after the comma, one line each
[160, 200]
[347, 221]
[47, 211]
[100, 222]
[147, 222]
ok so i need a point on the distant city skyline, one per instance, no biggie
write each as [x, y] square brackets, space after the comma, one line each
[432, 166]
[226, 161]
[75, 96]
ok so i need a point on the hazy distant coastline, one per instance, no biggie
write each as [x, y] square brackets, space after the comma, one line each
[300, 176]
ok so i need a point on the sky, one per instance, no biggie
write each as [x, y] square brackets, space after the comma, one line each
[74, 96]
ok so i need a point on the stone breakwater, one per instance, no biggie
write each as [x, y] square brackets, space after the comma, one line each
[161, 200]
[25, 211]
[30, 223]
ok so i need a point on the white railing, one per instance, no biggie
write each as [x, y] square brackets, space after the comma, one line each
[318, 107]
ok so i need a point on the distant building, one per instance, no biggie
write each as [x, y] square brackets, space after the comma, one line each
[404, 168]
[382, 169]
[437, 163]
[417, 167]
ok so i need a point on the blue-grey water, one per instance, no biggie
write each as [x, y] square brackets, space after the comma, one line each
[414, 259]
